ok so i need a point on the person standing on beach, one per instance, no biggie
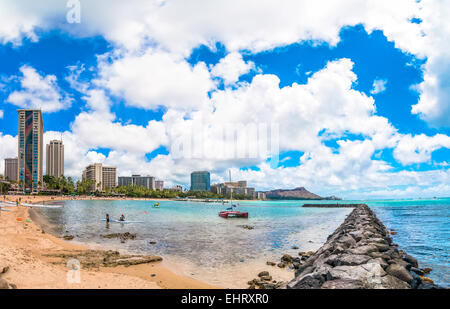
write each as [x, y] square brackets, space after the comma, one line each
[107, 218]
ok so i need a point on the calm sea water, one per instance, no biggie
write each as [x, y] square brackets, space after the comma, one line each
[222, 252]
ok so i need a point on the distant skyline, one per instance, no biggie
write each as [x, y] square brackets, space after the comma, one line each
[359, 95]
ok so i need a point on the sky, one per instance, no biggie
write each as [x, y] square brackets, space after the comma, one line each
[347, 98]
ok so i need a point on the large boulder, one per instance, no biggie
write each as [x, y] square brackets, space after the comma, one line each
[411, 260]
[391, 282]
[399, 272]
[364, 250]
[343, 284]
[365, 272]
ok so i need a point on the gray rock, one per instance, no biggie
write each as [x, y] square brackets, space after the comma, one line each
[411, 260]
[343, 284]
[361, 272]
[380, 261]
[307, 282]
[417, 271]
[352, 260]
[399, 272]
[286, 258]
[391, 282]
[364, 250]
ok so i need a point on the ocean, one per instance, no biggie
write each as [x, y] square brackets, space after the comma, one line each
[195, 241]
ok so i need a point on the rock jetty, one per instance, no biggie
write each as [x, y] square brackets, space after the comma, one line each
[360, 254]
[337, 205]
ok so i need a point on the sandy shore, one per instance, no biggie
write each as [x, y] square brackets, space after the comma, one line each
[30, 253]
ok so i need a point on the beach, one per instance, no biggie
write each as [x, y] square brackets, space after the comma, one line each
[198, 248]
[25, 247]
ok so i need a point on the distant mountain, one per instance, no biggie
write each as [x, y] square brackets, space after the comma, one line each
[299, 193]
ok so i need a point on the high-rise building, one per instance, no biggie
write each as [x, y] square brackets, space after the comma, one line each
[11, 169]
[55, 158]
[109, 177]
[102, 176]
[159, 185]
[138, 180]
[200, 181]
[31, 143]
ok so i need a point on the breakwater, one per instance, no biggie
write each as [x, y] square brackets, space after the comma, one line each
[360, 254]
[337, 205]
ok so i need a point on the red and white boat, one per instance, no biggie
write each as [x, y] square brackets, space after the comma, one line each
[233, 214]
[230, 213]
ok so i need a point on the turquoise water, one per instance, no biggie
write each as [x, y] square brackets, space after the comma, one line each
[193, 232]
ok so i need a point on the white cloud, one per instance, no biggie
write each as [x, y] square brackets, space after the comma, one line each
[179, 26]
[1, 114]
[231, 67]
[418, 148]
[39, 92]
[379, 85]
[8, 149]
[156, 79]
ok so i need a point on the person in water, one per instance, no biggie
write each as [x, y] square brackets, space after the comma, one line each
[107, 218]
[122, 218]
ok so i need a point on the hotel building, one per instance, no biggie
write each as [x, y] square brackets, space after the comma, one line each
[159, 185]
[30, 161]
[11, 169]
[200, 181]
[137, 180]
[55, 159]
[102, 176]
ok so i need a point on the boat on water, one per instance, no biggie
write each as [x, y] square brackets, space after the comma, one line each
[233, 214]
[230, 213]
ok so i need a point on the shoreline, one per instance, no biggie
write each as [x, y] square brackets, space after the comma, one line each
[27, 247]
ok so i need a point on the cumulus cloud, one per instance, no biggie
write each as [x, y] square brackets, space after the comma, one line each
[379, 85]
[231, 67]
[157, 79]
[257, 26]
[39, 92]
[8, 149]
[418, 148]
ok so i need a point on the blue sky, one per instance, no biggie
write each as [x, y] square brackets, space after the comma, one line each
[126, 99]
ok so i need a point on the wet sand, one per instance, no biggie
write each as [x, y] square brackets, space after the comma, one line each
[26, 246]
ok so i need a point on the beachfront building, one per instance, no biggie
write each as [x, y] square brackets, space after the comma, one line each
[238, 187]
[103, 177]
[261, 195]
[159, 185]
[30, 150]
[55, 159]
[200, 181]
[11, 169]
[137, 180]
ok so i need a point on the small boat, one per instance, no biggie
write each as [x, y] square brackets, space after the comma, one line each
[156, 205]
[233, 214]
[230, 213]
